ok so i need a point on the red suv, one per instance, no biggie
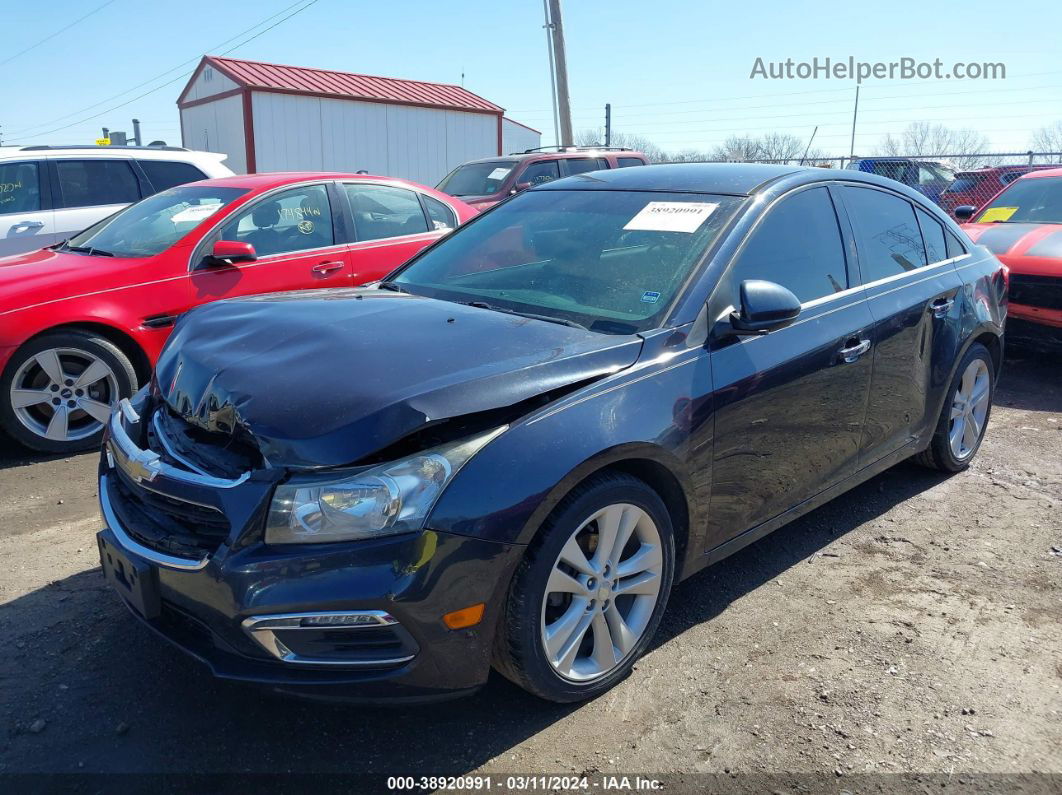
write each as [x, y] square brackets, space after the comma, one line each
[484, 183]
[82, 322]
[977, 187]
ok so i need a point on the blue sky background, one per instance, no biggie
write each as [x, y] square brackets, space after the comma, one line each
[675, 72]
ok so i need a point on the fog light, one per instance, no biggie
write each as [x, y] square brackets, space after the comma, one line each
[465, 617]
[346, 620]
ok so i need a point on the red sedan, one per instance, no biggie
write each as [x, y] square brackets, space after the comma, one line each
[1022, 225]
[81, 323]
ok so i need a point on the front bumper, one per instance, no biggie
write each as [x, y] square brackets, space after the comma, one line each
[415, 579]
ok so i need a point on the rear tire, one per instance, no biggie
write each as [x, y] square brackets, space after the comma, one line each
[58, 389]
[964, 418]
[571, 632]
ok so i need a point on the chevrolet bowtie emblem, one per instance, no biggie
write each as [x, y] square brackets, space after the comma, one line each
[141, 466]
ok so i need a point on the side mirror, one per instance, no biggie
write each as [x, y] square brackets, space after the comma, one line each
[521, 186]
[226, 251]
[964, 212]
[765, 306]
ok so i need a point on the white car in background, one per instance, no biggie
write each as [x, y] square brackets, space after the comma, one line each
[48, 193]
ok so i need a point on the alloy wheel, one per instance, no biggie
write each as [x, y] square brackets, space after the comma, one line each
[969, 408]
[64, 394]
[602, 592]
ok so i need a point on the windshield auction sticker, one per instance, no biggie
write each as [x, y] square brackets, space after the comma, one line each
[671, 216]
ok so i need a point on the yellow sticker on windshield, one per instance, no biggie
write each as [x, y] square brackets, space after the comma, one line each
[997, 214]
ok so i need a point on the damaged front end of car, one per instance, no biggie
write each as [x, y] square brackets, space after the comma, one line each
[271, 515]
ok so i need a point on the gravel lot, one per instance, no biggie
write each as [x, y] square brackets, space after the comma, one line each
[914, 624]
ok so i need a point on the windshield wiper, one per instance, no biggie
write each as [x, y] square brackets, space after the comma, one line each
[548, 318]
[394, 287]
[93, 252]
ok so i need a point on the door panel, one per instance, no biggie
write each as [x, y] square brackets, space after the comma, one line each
[26, 221]
[789, 415]
[789, 404]
[294, 235]
[915, 311]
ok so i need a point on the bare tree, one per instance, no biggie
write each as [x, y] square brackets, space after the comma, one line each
[1049, 139]
[652, 152]
[738, 148]
[922, 139]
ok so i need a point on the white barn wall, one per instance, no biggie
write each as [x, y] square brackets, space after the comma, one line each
[217, 126]
[517, 138]
[209, 82]
[295, 132]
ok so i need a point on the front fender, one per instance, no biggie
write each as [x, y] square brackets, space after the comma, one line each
[650, 413]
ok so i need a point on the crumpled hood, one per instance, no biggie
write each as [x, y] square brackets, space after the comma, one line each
[325, 378]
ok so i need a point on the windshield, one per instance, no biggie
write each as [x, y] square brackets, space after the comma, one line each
[609, 260]
[151, 226]
[1032, 201]
[477, 179]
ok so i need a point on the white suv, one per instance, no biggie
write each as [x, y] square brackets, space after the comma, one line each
[47, 193]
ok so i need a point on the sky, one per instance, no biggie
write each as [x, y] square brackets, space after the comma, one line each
[677, 73]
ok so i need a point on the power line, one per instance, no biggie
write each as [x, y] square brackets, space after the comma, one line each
[53, 35]
[30, 130]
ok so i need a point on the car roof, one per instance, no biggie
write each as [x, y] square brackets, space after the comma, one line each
[1046, 172]
[139, 152]
[517, 157]
[276, 178]
[737, 179]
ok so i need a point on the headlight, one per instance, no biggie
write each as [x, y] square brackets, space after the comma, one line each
[385, 500]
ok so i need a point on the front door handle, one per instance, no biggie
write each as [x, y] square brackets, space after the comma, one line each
[324, 268]
[850, 353]
[28, 225]
[941, 307]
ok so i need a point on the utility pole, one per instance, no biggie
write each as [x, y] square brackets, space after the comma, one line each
[552, 71]
[608, 123]
[564, 105]
[136, 132]
[855, 115]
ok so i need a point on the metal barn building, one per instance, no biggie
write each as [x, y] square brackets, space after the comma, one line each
[267, 117]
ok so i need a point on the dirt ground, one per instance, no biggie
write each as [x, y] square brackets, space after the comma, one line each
[914, 624]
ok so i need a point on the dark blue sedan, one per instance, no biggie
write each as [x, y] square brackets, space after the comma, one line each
[509, 452]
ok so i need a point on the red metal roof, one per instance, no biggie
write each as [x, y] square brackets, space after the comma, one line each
[325, 82]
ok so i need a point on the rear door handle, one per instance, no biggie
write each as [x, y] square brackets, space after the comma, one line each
[850, 353]
[941, 307]
[28, 225]
[327, 267]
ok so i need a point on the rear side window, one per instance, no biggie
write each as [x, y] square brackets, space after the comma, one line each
[580, 165]
[88, 183]
[381, 211]
[890, 241]
[165, 174]
[441, 216]
[626, 162]
[537, 173]
[798, 245]
[20, 188]
[933, 236]
[955, 247]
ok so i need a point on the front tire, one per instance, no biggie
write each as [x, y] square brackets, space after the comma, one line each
[58, 390]
[964, 418]
[588, 597]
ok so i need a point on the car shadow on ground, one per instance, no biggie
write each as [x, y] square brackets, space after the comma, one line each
[114, 698]
[1031, 380]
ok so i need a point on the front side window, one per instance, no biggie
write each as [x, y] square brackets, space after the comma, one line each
[20, 189]
[890, 241]
[933, 236]
[580, 165]
[381, 211]
[153, 225]
[293, 220]
[539, 173]
[165, 174]
[477, 179]
[92, 183]
[612, 261]
[965, 183]
[1036, 200]
[799, 246]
